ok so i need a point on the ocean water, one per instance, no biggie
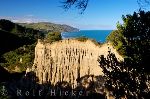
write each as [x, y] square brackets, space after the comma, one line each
[98, 35]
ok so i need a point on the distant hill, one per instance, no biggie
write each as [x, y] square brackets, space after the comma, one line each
[50, 27]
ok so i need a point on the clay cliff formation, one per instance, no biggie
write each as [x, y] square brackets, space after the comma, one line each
[68, 60]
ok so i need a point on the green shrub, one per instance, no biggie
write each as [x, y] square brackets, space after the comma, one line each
[53, 36]
[22, 58]
[117, 40]
[82, 39]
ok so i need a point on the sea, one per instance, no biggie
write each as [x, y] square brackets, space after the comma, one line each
[98, 35]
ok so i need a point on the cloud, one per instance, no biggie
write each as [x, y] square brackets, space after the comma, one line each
[17, 20]
[24, 19]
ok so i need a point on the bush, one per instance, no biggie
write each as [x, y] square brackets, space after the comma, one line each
[117, 39]
[82, 39]
[22, 58]
[53, 36]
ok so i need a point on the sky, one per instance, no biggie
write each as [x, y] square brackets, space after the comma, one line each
[99, 15]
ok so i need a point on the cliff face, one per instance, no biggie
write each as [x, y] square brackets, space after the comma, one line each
[68, 60]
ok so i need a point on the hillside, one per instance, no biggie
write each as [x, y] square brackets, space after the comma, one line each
[9, 41]
[13, 36]
[50, 27]
[17, 43]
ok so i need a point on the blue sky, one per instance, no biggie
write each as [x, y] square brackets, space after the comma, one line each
[100, 14]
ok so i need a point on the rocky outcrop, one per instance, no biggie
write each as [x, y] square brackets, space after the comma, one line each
[68, 60]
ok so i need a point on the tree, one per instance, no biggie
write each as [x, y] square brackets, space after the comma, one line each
[143, 3]
[79, 4]
[53, 36]
[82, 4]
[117, 40]
[6, 25]
[130, 78]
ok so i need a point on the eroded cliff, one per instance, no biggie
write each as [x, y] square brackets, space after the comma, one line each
[68, 60]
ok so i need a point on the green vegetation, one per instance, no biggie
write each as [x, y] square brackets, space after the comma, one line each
[21, 58]
[18, 43]
[95, 42]
[117, 40]
[13, 36]
[19, 30]
[49, 27]
[129, 78]
[84, 39]
[53, 36]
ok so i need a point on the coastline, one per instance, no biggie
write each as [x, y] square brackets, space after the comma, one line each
[98, 35]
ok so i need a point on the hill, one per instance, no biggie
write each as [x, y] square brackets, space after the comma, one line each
[13, 35]
[17, 44]
[50, 27]
[9, 41]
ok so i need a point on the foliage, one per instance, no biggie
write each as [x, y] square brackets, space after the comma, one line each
[82, 39]
[131, 77]
[20, 42]
[118, 41]
[19, 30]
[120, 79]
[13, 36]
[53, 36]
[82, 4]
[17, 45]
[143, 3]
[21, 57]
[6, 25]
[9, 42]
[79, 4]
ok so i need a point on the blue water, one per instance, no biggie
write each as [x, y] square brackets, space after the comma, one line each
[98, 35]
